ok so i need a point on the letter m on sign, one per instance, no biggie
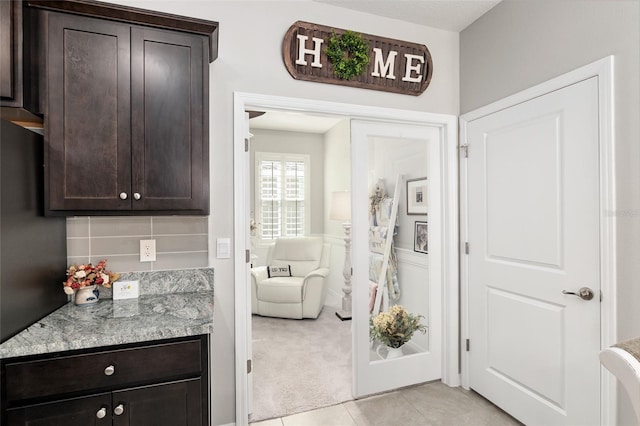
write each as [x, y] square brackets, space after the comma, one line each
[379, 64]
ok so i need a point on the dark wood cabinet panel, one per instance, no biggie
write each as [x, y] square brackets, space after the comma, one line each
[172, 404]
[81, 411]
[126, 115]
[168, 115]
[42, 378]
[11, 53]
[88, 114]
[154, 384]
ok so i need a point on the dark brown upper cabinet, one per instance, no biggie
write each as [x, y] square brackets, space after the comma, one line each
[11, 53]
[126, 114]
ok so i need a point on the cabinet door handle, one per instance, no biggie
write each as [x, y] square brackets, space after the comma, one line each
[118, 410]
[109, 370]
[123, 195]
[101, 413]
[136, 195]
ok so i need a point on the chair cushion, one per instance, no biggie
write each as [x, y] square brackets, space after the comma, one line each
[281, 290]
[302, 253]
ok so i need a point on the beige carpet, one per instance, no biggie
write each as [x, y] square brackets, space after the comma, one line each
[300, 365]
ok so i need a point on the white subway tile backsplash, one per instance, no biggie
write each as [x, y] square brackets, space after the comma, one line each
[120, 225]
[77, 260]
[180, 261]
[180, 225]
[170, 244]
[181, 241]
[78, 247]
[77, 227]
[115, 245]
[123, 263]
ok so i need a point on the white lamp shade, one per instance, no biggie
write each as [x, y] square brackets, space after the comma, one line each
[340, 206]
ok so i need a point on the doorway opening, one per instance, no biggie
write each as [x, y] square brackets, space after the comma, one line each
[447, 263]
[296, 161]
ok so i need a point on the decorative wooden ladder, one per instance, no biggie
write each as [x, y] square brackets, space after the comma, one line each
[382, 290]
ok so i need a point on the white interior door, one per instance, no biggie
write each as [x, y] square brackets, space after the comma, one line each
[533, 232]
[385, 150]
[247, 272]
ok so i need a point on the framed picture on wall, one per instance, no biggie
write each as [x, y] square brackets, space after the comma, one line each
[421, 238]
[417, 196]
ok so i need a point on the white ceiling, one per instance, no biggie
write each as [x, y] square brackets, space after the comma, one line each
[294, 122]
[451, 15]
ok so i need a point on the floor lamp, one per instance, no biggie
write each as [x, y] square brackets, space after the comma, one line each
[341, 210]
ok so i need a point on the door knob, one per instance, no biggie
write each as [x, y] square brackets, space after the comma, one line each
[585, 293]
[101, 413]
[109, 370]
[136, 195]
[123, 195]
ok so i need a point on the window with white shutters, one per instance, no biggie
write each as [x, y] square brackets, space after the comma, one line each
[282, 195]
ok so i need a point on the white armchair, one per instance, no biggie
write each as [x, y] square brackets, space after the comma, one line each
[301, 295]
[623, 361]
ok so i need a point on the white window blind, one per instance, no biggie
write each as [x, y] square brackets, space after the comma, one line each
[282, 194]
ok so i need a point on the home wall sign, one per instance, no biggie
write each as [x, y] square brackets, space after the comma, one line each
[392, 66]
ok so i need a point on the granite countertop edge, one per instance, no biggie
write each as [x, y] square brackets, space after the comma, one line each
[115, 322]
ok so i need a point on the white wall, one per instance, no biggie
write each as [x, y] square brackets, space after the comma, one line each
[337, 177]
[250, 60]
[521, 43]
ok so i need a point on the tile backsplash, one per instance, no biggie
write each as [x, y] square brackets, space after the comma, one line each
[181, 241]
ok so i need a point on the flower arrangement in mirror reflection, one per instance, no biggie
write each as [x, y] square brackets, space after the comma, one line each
[85, 275]
[396, 327]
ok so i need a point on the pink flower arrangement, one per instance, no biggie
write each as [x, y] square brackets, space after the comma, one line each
[87, 275]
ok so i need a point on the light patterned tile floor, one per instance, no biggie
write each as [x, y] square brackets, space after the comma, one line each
[431, 404]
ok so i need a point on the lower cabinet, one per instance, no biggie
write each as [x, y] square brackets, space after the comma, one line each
[142, 399]
[71, 412]
[169, 404]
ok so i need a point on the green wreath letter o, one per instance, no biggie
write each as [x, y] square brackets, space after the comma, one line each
[348, 53]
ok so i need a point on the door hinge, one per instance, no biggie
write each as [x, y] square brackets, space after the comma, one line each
[248, 366]
[247, 256]
[467, 345]
[466, 248]
[464, 151]
[246, 144]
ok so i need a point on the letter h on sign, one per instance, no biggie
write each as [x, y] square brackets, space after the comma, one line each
[302, 51]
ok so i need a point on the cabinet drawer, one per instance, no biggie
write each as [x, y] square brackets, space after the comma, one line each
[91, 371]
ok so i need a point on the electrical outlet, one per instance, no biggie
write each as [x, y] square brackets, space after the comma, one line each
[147, 250]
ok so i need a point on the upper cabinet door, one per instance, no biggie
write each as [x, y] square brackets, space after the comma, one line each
[169, 86]
[11, 53]
[87, 118]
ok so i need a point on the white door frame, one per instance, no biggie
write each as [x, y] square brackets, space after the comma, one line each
[449, 162]
[603, 69]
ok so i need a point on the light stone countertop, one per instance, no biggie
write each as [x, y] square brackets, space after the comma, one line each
[115, 322]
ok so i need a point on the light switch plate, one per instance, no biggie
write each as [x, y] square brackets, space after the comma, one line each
[223, 248]
[126, 290]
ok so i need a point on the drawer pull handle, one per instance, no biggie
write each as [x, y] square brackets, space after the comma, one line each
[136, 195]
[118, 410]
[109, 370]
[101, 413]
[123, 195]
